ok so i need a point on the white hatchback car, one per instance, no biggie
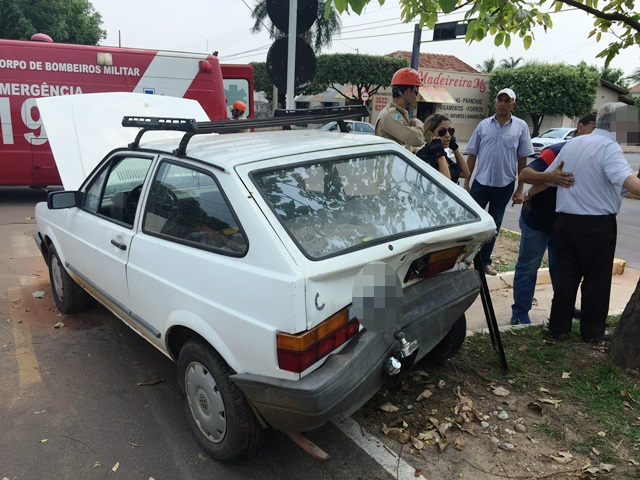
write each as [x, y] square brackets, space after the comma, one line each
[236, 256]
[551, 136]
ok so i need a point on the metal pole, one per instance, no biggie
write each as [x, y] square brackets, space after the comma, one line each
[291, 60]
[275, 100]
[415, 53]
[119, 39]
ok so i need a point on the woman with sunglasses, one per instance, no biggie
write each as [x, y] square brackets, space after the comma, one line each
[441, 150]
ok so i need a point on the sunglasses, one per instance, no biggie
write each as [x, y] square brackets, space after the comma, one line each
[443, 131]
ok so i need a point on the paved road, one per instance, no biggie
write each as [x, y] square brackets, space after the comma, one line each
[77, 388]
[628, 245]
[634, 160]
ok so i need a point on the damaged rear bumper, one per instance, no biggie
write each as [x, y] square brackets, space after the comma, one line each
[349, 378]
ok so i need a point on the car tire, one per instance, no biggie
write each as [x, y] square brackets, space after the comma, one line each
[212, 402]
[449, 345]
[68, 295]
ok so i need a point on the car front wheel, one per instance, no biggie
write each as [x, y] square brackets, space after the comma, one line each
[217, 411]
[68, 295]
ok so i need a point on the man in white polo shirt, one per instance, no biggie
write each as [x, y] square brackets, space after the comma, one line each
[500, 145]
[585, 229]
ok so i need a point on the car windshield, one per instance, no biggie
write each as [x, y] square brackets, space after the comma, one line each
[335, 206]
[553, 134]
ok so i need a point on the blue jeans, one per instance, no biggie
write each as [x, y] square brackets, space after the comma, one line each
[497, 198]
[533, 244]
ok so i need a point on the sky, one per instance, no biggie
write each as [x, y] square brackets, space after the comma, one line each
[224, 25]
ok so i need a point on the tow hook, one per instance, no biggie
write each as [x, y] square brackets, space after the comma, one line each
[392, 366]
[402, 359]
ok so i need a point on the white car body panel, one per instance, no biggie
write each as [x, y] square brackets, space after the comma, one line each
[97, 126]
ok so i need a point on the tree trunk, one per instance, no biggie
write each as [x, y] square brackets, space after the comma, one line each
[625, 347]
[537, 122]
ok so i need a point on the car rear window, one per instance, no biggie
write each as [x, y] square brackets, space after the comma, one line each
[335, 206]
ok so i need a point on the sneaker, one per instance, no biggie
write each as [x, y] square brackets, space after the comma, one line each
[490, 271]
[520, 321]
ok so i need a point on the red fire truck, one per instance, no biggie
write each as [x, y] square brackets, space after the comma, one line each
[32, 69]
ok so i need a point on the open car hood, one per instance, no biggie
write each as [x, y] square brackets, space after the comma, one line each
[82, 129]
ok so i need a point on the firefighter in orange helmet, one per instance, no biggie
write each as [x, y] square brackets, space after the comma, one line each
[238, 109]
[393, 121]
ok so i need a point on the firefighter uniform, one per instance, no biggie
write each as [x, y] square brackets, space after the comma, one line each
[394, 123]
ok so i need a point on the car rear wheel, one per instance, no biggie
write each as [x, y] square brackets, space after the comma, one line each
[217, 411]
[68, 295]
[449, 345]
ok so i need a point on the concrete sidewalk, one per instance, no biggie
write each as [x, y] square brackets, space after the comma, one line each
[622, 287]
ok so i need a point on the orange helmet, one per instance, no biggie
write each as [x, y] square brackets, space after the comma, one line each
[406, 76]
[238, 105]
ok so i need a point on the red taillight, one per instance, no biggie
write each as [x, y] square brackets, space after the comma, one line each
[297, 361]
[296, 353]
[352, 328]
[442, 266]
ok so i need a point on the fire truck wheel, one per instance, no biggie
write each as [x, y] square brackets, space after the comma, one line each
[217, 411]
[68, 295]
[449, 345]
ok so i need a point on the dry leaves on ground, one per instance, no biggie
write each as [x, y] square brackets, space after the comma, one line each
[500, 391]
[563, 457]
[425, 394]
[388, 407]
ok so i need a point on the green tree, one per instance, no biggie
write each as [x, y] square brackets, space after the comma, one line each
[364, 72]
[261, 81]
[511, 62]
[488, 66]
[635, 76]
[66, 21]
[326, 26]
[504, 19]
[548, 89]
[614, 75]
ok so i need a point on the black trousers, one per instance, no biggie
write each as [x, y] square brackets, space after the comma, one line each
[585, 248]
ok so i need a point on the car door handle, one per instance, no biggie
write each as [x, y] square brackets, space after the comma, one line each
[121, 246]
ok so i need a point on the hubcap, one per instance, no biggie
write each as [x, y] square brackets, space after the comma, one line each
[56, 273]
[205, 402]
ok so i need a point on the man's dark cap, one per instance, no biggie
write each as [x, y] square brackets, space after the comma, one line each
[588, 118]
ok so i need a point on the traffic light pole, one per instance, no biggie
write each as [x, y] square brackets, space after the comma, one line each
[291, 54]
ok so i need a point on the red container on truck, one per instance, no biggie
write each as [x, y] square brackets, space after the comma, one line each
[29, 70]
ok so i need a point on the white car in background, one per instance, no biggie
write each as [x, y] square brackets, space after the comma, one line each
[236, 256]
[353, 126]
[551, 136]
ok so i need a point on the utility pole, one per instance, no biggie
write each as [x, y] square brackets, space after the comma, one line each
[291, 53]
[415, 53]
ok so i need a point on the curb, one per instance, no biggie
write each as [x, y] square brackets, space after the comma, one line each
[505, 279]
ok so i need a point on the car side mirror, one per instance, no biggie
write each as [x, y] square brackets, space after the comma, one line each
[59, 200]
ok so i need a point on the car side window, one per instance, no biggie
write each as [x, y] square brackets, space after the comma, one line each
[367, 128]
[571, 134]
[92, 194]
[187, 205]
[119, 200]
[359, 127]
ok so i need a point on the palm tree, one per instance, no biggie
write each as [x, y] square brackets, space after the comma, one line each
[511, 62]
[320, 34]
[635, 76]
[488, 65]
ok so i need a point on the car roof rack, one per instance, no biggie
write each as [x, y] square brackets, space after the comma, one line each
[282, 118]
